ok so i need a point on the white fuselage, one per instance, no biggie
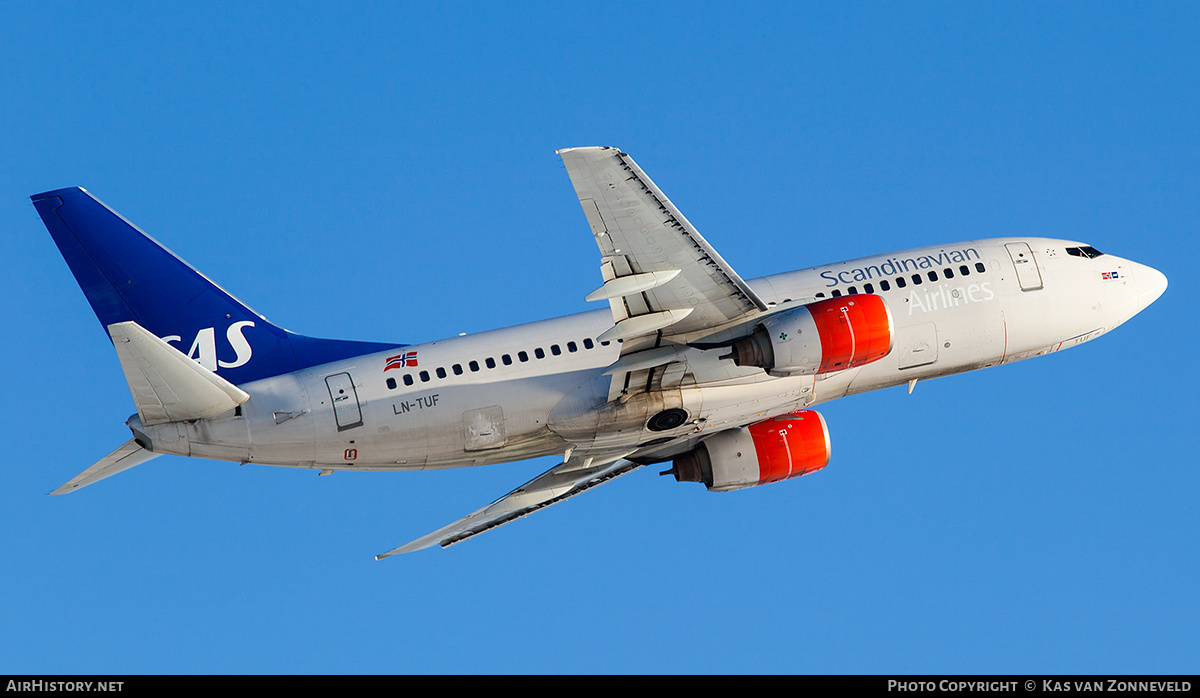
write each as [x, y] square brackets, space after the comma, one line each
[539, 389]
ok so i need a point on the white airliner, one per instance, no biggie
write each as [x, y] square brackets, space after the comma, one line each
[689, 364]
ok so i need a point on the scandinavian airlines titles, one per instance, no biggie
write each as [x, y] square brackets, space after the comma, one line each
[947, 296]
[896, 266]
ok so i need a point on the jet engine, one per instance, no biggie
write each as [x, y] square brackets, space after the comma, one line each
[777, 449]
[830, 335]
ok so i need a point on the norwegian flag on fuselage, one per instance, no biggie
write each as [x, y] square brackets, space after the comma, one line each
[405, 360]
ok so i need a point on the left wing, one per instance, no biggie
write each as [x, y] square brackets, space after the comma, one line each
[563, 481]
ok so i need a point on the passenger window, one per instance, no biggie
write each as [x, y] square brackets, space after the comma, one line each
[964, 270]
[884, 285]
[916, 279]
[408, 379]
[933, 276]
[587, 344]
[821, 294]
[571, 347]
[458, 369]
[979, 267]
[555, 350]
[868, 288]
[539, 353]
[948, 272]
[523, 356]
[391, 383]
[474, 366]
[836, 293]
[441, 372]
[424, 376]
[489, 362]
[507, 359]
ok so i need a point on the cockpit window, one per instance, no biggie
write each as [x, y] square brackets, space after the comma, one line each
[1088, 252]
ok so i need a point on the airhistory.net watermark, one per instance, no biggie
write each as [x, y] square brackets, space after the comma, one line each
[40, 685]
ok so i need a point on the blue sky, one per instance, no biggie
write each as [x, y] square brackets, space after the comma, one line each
[387, 172]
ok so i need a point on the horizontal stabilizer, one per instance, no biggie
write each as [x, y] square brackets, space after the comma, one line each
[561, 482]
[166, 385]
[123, 458]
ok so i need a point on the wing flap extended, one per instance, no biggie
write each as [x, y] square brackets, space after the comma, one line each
[558, 484]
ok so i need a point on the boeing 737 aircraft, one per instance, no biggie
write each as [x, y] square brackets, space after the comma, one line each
[689, 365]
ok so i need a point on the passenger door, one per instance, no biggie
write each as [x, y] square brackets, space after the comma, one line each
[1027, 271]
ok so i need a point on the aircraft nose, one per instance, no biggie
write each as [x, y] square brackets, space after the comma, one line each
[1150, 284]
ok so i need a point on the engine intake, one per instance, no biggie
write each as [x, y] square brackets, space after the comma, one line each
[830, 335]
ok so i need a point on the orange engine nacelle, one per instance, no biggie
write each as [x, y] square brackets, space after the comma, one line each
[778, 449]
[830, 335]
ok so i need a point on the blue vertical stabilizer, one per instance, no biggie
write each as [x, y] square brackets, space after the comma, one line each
[128, 276]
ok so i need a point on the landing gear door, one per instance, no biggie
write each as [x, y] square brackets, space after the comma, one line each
[346, 409]
[1027, 271]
